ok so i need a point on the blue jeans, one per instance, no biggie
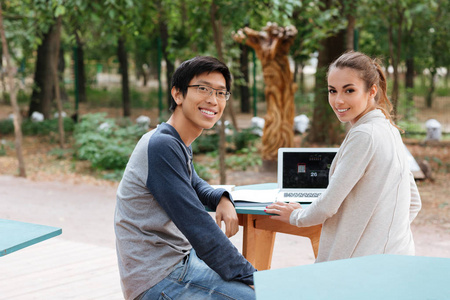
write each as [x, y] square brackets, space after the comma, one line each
[193, 279]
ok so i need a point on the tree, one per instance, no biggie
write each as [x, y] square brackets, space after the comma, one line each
[123, 18]
[43, 89]
[396, 17]
[13, 97]
[57, 94]
[325, 127]
[433, 43]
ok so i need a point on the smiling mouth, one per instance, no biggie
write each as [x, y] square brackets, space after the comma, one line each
[342, 110]
[208, 112]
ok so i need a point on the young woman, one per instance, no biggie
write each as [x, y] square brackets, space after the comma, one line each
[371, 198]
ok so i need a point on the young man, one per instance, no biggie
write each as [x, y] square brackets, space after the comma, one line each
[167, 244]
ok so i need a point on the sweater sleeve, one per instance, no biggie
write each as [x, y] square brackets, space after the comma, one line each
[208, 195]
[416, 203]
[352, 160]
[170, 182]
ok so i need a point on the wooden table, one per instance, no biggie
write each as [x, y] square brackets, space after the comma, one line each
[15, 235]
[260, 231]
[387, 277]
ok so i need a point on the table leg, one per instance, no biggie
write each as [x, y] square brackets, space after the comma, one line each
[259, 237]
[257, 243]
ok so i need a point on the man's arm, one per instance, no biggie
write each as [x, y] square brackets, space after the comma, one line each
[227, 213]
[224, 209]
[170, 183]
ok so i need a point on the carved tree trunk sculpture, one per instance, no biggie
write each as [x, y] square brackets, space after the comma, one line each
[272, 47]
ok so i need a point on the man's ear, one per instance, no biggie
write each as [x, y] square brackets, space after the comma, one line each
[177, 95]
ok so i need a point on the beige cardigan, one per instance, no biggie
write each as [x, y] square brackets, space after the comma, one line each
[371, 198]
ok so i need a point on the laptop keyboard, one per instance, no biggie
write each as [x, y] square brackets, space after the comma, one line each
[301, 195]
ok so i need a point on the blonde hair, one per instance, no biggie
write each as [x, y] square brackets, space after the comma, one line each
[371, 72]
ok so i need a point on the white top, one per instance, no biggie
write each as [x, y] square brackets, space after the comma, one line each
[371, 198]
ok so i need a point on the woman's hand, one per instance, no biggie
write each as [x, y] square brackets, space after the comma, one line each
[226, 212]
[282, 210]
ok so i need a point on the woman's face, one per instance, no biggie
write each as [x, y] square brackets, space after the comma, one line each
[347, 95]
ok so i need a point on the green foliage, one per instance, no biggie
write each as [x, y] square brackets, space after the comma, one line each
[244, 139]
[112, 97]
[243, 159]
[6, 126]
[203, 171]
[22, 97]
[105, 144]
[207, 142]
[411, 127]
[4, 146]
[304, 103]
[115, 175]
[60, 153]
[242, 152]
[2, 150]
[46, 127]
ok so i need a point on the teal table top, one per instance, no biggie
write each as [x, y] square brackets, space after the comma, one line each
[372, 277]
[15, 235]
[255, 208]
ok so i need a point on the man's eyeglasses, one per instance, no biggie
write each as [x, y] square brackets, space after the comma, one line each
[207, 91]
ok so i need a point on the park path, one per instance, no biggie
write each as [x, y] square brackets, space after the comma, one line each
[81, 262]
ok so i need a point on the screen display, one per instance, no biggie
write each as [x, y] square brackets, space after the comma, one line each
[306, 169]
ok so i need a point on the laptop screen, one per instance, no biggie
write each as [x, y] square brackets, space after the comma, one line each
[306, 169]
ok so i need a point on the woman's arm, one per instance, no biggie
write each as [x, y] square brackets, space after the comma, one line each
[416, 203]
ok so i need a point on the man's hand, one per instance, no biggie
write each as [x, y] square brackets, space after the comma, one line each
[226, 212]
[282, 210]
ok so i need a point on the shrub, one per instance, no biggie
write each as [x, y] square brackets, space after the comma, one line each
[45, 127]
[206, 143]
[6, 126]
[102, 142]
[244, 139]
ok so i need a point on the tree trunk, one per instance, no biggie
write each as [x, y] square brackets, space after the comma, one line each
[395, 58]
[409, 85]
[56, 47]
[2, 78]
[430, 91]
[170, 68]
[217, 30]
[42, 95]
[409, 76]
[325, 127]
[123, 63]
[301, 82]
[243, 67]
[81, 81]
[350, 36]
[13, 96]
[61, 68]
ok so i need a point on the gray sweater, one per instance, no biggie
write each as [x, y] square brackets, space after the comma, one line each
[371, 198]
[160, 215]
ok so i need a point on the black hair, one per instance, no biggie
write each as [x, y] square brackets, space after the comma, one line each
[196, 66]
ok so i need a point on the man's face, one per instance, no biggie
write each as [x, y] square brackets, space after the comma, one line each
[201, 109]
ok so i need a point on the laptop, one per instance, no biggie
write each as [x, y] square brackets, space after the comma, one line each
[303, 173]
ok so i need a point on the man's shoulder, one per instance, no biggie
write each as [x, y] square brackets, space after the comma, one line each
[162, 137]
